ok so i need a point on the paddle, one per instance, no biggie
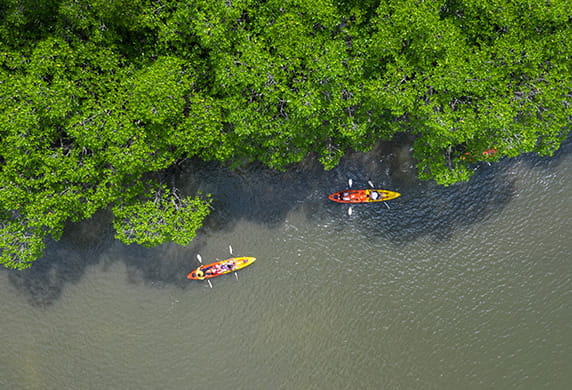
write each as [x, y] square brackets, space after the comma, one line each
[230, 250]
[350, 182]
[200, 259]
[372, 186]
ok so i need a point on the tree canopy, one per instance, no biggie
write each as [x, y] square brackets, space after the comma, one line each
[98, 97]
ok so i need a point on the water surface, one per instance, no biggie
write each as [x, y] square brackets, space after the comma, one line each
[461, 287]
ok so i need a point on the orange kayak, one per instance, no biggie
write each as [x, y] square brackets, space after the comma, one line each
[363, 196]
[222, 267]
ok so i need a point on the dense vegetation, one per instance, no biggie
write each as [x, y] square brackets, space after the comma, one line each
[98, 96]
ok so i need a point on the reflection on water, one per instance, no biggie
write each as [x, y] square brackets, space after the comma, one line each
[466, 286]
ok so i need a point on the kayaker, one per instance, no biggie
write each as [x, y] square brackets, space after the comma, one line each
[374, 195]
[200, 274]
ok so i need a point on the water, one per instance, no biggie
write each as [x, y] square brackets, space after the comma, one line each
[460, 287]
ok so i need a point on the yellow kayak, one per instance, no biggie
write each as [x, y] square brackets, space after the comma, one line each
[222, 267]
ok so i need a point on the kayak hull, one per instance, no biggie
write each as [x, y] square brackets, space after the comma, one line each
[222, 267]
[363, 196]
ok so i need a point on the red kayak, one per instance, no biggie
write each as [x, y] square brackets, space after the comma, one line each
[363, 196]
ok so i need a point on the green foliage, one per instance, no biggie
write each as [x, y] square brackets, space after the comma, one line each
[98, 96]
[474, 75]
[163, 217]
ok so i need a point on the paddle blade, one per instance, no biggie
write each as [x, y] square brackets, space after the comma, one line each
[350, 182]
[210, 284]
[199, 258]
[230, 249]
[370, 183]
[235, 274]
[350, 211]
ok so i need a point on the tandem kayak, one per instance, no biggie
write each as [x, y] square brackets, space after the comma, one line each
[363, 196]
[222, 267]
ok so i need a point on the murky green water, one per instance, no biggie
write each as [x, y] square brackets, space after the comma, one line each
[462, 287]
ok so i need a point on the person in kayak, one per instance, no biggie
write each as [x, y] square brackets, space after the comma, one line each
[374, 195]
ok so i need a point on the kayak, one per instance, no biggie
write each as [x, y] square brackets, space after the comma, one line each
[486, 154]
[222, 267]
[363, 196]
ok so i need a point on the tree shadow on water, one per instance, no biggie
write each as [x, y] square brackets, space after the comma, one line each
[255, 193]
[438, 212]
[164, 265]
[266, 196]
[91, 243]
[65, 261]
